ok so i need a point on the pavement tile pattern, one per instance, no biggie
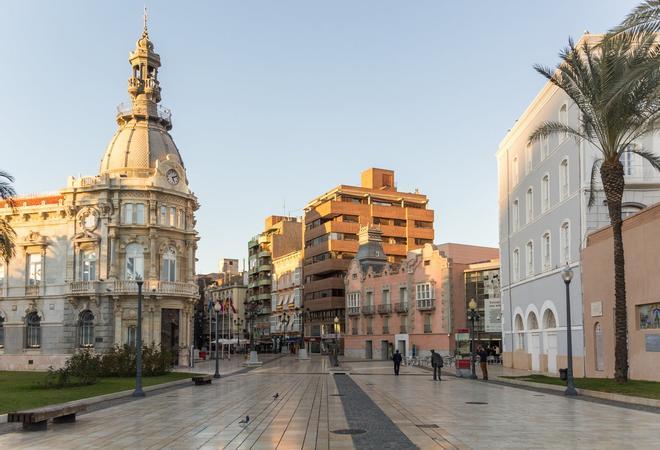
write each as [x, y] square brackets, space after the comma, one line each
[363, 414]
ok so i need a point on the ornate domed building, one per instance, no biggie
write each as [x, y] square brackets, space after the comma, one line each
[80, 250]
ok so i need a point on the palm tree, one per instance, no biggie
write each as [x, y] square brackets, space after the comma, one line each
[614, 113]
[644, 18]
[7, 234]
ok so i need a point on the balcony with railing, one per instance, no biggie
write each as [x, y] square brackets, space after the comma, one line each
[386, 330]
[84, 287]
[385, 309]
[370, 330]
[353, 310]
[402, 307]
[368, 310]
[127, 109]
[427, 328]
[426, 304]
[403, 329]
[33, 290]
[154, 287]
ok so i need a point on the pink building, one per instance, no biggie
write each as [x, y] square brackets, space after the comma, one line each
[641, 242]
[413, 306]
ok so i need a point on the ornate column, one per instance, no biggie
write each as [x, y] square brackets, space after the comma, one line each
[153, 257]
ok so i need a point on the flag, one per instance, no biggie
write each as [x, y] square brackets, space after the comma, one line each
[231, 303]
[210, 305]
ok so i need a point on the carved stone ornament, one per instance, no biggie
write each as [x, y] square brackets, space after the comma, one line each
[88, 218]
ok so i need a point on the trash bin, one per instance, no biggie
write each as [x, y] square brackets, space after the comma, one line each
[563, 374]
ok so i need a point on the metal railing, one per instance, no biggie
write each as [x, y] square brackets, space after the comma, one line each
[384, 309]
[353, 310]
[126, 108]
[427, 328]
[368, 309]
[402, 307]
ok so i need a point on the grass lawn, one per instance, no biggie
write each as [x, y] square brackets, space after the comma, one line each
[647, 389]
[19, 390]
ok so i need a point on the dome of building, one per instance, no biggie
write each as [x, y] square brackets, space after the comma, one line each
[142, 139]
[139, 144]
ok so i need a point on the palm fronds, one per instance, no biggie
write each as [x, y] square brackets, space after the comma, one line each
[644, 18]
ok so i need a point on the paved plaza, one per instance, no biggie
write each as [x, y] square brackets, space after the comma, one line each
[314, 408]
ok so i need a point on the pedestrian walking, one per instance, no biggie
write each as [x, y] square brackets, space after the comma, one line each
[397, 362]
[483, 361]
[437, 363]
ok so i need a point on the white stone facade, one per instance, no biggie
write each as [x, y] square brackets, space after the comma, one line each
[80, 250]
[543, 222]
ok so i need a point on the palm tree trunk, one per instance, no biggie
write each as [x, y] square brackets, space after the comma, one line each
[613, 184]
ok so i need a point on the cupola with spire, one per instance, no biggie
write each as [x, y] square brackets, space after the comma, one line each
[142, 141]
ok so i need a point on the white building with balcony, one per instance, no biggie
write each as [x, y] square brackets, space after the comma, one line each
[286, 300]
[544, 219]
[80, 250]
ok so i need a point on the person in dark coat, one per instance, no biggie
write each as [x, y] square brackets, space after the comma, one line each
[437, 363]
[483, 362]
[397, 362]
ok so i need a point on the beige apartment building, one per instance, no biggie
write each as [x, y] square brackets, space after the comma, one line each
[332, 223]
[642, 247]
[281, 236]
[80, 250]
[286, 301]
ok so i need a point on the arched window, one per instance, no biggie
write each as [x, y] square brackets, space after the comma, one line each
[529, 204]
[549, 320]
[529, 258]
[519, 329]
[168, 271]
[565, 238]
[563, 119]
[86, 329]
[545, 193]
[547, 260]
[532, 322]
[33, 330]
[627, 210]
[34, 269]
[516, 215]
[134, 261]
[563, 180]
[515, 171]
[598, 347]
[516, 265]
[2, 331]
[87, 265]
[528, 158]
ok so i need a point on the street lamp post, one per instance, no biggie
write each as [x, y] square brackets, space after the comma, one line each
[336, 349]
[216, 308]
[473, 315]
[567, 276]
[285, 323]
[138, 342]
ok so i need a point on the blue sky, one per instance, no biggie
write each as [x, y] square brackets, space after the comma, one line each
[275, 102]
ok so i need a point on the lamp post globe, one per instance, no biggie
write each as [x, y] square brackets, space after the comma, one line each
[216, 307]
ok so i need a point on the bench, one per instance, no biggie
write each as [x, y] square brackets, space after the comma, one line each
[202, 379]
[37, 419]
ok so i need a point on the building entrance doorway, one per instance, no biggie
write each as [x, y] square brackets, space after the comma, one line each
[384, 350]
[368, 350]
[169, 333]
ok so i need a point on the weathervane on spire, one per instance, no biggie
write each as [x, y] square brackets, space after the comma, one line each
[145, 33]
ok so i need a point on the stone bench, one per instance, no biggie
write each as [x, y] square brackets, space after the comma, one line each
[37, 419]
[202, 379]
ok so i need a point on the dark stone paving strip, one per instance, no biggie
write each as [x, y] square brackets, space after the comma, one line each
[362, 413]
